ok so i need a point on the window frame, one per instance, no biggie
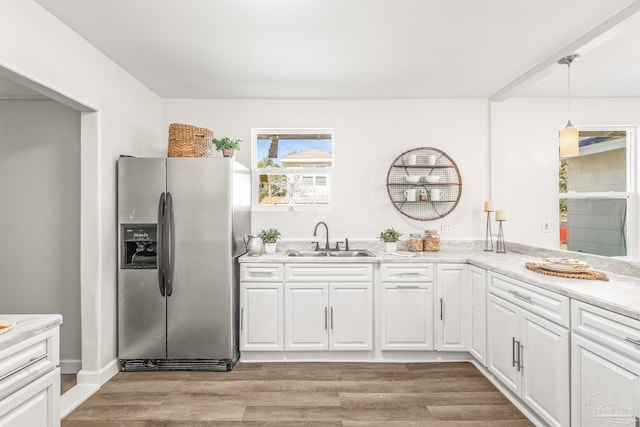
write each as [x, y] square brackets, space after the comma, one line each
[327, 171]
[633, 216]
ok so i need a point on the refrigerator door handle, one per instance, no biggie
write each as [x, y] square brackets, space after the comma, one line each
[160, 244]
[170, 246]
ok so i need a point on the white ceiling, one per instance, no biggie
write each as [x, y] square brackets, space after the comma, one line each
[363, 49]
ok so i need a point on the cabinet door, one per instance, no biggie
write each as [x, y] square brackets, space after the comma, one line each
[605, 386]
[407, 316]
[261, 316]
[478, 345]
[306, 316]
[36, 404]
[453, 305]
[351, 316]
[544, 361]
[502, 334]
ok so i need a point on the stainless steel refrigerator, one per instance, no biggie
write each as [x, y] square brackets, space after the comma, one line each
[181, 223]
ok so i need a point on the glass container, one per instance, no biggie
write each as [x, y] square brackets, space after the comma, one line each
[415, 243]
[431, 241]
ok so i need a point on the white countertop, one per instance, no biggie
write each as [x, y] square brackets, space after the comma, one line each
[27, 326]
[620, 294]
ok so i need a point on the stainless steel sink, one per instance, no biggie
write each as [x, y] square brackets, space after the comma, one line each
[343, 254]
[353, 253]
[305, 253]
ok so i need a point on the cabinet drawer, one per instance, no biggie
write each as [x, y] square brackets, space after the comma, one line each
[28, 360]
[547, 304]
[615, 331]
[328, 272]
[406, 272]
[261, 272]
[22, 359]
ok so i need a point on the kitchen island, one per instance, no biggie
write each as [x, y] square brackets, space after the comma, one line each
[29, 372]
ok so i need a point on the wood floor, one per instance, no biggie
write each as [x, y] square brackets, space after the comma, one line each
[67, 381]
[309, 394]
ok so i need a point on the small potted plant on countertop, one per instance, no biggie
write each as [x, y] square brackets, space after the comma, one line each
[269, 238]
[227, 145]
[390, 237]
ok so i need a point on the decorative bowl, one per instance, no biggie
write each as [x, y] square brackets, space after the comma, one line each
[412, 179]
[432, 179]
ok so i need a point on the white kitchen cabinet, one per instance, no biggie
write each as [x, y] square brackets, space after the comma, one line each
[530, 356]
[306, 316]
[328, 316]
[29, 374]
[261, 317]
[605, 367]
[605, 386]
[407, 316]
[261, 308]
[478, 344]
[406, 307]
[502, 333]
[453, 305]
[36, 404]
[351, 316]
[544, 365]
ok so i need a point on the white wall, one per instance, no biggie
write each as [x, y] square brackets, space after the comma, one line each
[369, 136]
[40, 229]
[524, 158]
[45, 51]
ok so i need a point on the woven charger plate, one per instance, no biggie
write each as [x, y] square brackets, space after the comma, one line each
[587, 275]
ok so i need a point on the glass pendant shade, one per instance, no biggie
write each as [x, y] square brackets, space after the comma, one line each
[569, 141]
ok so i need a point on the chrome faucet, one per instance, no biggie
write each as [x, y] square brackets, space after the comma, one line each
[315, 230]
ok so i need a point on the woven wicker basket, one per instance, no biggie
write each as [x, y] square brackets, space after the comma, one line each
[189, 141]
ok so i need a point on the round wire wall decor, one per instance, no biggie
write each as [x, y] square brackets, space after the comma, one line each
[424, 184]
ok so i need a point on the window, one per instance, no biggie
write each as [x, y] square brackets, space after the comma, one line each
[596, 192]
[292, 168]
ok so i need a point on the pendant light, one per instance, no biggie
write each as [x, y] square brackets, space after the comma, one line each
[569, 141]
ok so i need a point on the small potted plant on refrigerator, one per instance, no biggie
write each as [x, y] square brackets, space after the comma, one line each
[227, 145]
[269, 238]
[390, 237]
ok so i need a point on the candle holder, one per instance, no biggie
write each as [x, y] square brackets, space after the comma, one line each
[488, 239]
[500, 246]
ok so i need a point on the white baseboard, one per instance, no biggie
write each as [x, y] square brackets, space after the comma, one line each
[70, 366]
[100, 376]
[362, 357]
[88, 382]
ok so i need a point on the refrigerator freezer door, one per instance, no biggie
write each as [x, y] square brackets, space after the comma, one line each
[200, 311]
[141, 307]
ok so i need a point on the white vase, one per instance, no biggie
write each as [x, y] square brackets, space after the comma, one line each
[390, 246]
[270, 248]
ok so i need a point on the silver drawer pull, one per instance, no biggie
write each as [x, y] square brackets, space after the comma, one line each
[407, 286]
[632, 341]
[25, 366]
[261, 274]
[522, 297]
[409, 274]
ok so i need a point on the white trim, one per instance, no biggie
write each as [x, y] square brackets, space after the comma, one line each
[355, 356]
[631, 195]
[88, 383]
[70, 366]
[299, 170]
[75, 397]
